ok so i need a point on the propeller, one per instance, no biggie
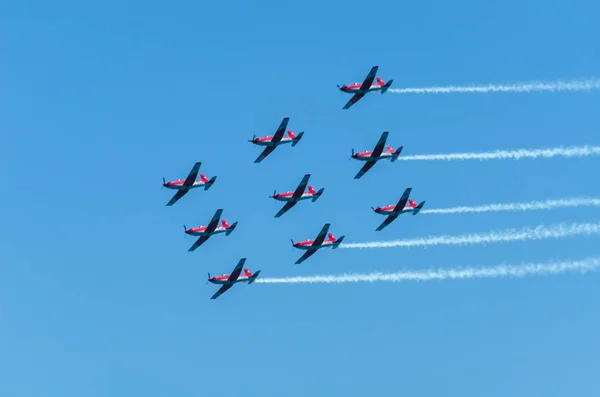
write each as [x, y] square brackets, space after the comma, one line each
[207, 279]
[253, 138]
[274, 193]
[163, 185]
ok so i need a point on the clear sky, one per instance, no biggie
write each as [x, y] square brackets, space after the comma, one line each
[98, 294]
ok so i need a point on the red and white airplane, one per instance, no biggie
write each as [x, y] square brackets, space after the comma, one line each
[361, 89]
[377, 154]
[271, 142]
[190, 182]
[291, 198]
[228, 280]
[311, 246]
[206, 231]
[393, 211]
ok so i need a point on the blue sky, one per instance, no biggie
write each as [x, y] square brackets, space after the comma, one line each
[98, 294]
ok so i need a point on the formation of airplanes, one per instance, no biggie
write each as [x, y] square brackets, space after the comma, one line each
[303, 190]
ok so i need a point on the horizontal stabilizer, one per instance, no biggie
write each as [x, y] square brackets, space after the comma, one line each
[397, 153]
[386, 86]
[297, 139]
[338, 242]
[318, 194]
[254, 276]
[208, 184]
[418, 208]
[231, 228]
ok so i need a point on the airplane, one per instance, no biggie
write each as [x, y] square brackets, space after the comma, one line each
[206, 231]
[361, 89]
[228, 280]
[311, 246]
[190, 182]
[377, 154]
[393, 211]
[291, 198]
[271, 142]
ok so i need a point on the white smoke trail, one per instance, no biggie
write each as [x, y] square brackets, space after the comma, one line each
[515, 271]
[571, 151]
[531, 206]
[538, 233]
[535, 86]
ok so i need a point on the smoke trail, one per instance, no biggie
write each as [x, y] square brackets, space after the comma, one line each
[571, 151]
[535, 86]
[539, 233]
[515, 271]
[533, 205]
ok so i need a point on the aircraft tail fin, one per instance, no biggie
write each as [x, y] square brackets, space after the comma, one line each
[253, 277]
[297, 139]
[418, 208]
[386, 86]
[318, 194]
[231, 228]
[397, 153]
[337, 242]
[208, 184]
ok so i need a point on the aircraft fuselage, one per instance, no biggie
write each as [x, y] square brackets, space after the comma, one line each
[368, 156]
[306, 245]
[389, 209]
[354, 88]
[223, 279]
[200, 231]
[268, 141]
[287, 196]
[178, 184]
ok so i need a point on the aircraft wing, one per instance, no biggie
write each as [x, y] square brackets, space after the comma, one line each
[214, 222]
[192, 175]
[285, 208]
[364, 169]
[279, 133]
[177, 196]
[402, 202]
[321, 237]
[301, 186]
[354, 99]
[369, 79]
[199, 242]
[387, 221]
[237, 271]
[380, 144]
[223, 288]
[265, 153]
[306, 255]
